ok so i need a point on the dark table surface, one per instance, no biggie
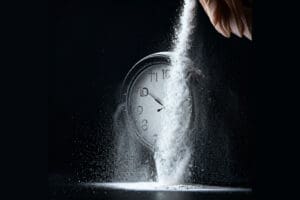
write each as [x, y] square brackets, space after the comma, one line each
[81, 191]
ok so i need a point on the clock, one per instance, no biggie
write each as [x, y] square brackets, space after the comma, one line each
[143, 92]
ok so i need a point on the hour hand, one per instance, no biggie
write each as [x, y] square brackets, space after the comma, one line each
[158, 110]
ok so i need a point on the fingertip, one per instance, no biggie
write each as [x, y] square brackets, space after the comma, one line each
[234, 28]
[222, 32]
[247, 33]
[248, 36]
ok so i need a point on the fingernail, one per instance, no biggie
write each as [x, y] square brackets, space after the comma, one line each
[248, 35]
[234, 28]
[219, 29]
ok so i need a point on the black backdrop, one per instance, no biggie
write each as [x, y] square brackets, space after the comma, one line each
[93, 44]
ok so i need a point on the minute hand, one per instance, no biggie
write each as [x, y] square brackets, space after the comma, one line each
[156, 99]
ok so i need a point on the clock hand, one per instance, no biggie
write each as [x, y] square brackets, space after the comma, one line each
[156, 99]
[158, 110]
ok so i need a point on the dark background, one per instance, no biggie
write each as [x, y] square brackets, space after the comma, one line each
[92, 46]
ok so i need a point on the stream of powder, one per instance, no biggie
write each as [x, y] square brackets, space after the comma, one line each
[172, 154]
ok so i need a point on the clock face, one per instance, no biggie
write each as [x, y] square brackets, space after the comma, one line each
[146, 101]
[145, 91]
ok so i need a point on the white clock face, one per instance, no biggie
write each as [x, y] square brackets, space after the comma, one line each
[146, 101]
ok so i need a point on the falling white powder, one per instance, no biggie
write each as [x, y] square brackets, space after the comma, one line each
[172, 154]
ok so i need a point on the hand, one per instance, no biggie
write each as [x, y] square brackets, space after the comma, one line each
[158, 101]
[229, 16]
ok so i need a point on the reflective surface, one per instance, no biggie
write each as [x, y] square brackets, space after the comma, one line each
[155, 186]
[145, 191]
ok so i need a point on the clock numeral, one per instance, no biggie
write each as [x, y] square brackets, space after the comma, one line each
[154, 138]
[153, 76]
[188, 102]
[144, 92]
[140, 110]
[144, 124]
[165, 73]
